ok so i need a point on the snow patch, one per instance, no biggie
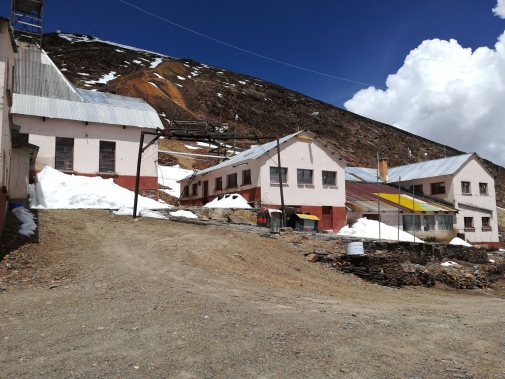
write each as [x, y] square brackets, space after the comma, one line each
[184, 214]
[228, 201]
[28, 226]
[365, 228]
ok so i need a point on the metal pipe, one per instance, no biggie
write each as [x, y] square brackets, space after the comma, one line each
[378, 197]
[280, 181]
[399, 185]
[137, 179]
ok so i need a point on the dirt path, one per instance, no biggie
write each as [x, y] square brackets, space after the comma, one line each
[161, 299]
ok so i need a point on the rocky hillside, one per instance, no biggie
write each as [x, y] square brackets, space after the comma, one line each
[183, 89]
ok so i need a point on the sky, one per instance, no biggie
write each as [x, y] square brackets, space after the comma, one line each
[409, 64]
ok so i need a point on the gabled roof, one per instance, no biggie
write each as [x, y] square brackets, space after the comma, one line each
[364, 197]
[40, 89]
[250, 154]
[428, 169]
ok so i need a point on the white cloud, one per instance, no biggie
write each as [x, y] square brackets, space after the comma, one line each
[500, 9]
[445, 93]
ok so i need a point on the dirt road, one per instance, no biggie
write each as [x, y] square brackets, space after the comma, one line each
[118, 298]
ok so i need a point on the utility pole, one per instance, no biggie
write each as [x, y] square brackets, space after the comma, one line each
[236, 119]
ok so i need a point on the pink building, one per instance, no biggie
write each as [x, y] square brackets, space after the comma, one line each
[313, 179]
[78, 131]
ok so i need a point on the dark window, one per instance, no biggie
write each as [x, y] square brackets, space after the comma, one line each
[417, 188]
[483, 188]
[411, 223]
[304, 176]
[195, 189]
[246, 177]
[329, 178]
[107, 161]
[23, 137]
[486, 222]
[429, 222]
[274, 174]
[437, 188]
[64, 157]
[219, 184]
[465, 188]
[231, 180]
[445, 222]
[469, 222]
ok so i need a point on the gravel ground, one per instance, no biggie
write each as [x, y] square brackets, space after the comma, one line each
[98, 295]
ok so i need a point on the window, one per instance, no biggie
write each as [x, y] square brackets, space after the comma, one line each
[231, 180]
[194, 191]
[274, 174]
[417, 188]
[483, 188]
[465, 188]
[304, 176]
[468, 222]
[411, 223]
[437, 188]
[246, 177]
[24, 137]
[486, 222]
[107, 156]
[64, 157]
[445, 222]
[329, 178]
[219, 184]
[429, 222]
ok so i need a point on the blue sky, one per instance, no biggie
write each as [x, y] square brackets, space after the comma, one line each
[360, 41]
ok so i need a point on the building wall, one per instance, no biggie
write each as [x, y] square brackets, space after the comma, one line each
[297, 153]
[475, 173]
[6, 71]
[86, 148]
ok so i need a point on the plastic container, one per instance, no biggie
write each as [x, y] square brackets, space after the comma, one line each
[354, 248]
[16, 205]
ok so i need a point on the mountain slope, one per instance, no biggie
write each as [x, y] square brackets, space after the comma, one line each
[183, 89]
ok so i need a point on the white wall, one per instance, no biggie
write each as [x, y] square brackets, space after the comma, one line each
[86, 144]
[299, 153]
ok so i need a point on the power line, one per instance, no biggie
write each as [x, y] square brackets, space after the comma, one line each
[86, 21]
[248, 51]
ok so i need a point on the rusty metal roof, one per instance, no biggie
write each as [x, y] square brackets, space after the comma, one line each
[364, 197]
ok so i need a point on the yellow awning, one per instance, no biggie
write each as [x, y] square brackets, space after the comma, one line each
[307, 217]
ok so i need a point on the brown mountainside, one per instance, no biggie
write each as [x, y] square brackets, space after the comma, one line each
[183, 89]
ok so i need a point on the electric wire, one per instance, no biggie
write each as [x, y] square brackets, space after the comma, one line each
[249, 51]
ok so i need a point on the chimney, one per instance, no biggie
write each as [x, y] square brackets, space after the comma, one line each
[383, 169]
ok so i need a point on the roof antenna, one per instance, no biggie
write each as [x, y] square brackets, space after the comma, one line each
[409, 153]
[425, 157]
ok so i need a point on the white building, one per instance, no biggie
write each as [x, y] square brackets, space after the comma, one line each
[313, 179]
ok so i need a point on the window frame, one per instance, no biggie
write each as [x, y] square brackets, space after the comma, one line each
[324, 179]
[194, 189]
[246, 177]
[305, 181]
[485, 187]
[107, 158]
[232, 180]
[218, 184]
[486, 223]
[417, 188]
[468, 223]
[411, 226]
[274, 174]
[429, 226]
[444, 226]
[65, 155]
[468, 190]
[437, 188]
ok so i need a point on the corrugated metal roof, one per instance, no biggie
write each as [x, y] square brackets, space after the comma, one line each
[40, 89]
[428, 169]
[37, 75]
[84, 111]
[250, 154]
[362, 174]
[364, 197]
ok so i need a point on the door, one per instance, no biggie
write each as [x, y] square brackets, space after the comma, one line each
[205, 192]
[327, 220]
